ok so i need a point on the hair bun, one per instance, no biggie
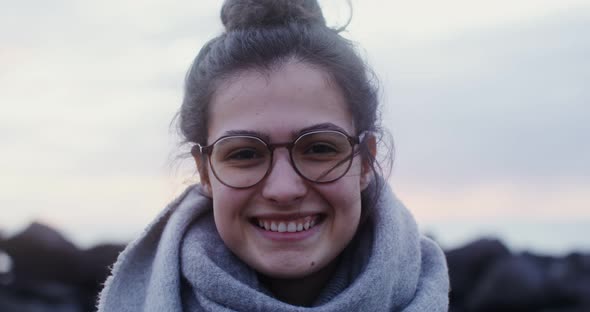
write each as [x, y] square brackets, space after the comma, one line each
[240, 14]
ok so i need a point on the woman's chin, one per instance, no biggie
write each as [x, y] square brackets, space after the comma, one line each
[281, 272]
[290, 269]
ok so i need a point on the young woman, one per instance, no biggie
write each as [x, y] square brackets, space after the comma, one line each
[291, 213]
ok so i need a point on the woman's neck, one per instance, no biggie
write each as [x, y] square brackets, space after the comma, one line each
[299, 291]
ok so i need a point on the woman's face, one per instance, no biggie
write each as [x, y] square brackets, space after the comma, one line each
[277, 106]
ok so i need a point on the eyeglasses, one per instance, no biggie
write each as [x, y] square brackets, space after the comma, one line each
[242, 161]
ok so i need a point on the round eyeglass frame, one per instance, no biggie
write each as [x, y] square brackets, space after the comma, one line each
[200, 150]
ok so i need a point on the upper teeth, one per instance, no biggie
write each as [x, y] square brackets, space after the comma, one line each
[292, 226]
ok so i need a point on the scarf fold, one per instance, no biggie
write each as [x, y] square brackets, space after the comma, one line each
[180, 263]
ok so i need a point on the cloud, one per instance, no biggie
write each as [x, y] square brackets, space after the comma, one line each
[476, 95]
[89, 88]
[499, 103]
[377, 22]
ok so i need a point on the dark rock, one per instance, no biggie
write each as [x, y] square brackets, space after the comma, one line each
[41, 253]
[49, 273]
[528, 282]
[41, 297]
[486, 277]
[568, 280]
[6, 274]
[514, 283]
[468, 264]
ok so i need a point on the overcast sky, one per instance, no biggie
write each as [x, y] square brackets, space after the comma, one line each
[487, 102]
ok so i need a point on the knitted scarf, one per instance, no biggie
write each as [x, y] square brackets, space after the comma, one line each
[180, 263]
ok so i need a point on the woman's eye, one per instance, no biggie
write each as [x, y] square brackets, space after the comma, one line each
[321, 148]
[244, 154]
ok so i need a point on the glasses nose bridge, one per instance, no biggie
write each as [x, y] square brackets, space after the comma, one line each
[287, 145]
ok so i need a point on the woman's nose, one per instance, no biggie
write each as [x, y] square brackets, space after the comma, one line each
[283, 185]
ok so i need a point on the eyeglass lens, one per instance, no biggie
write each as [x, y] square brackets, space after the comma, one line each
[242, 161]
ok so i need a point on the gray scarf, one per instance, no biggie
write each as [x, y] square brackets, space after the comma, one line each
[180, 264]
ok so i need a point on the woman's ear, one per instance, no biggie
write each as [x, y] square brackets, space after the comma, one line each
[203, 174]
[367, 168]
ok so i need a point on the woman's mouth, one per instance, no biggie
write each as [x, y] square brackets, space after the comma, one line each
[288, 226]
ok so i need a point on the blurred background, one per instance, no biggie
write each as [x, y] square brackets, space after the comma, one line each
[488, 103]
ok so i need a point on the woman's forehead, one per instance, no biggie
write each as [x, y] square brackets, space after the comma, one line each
[288, 99]
[275, 82]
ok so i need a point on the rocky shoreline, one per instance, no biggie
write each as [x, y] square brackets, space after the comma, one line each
[42, 271]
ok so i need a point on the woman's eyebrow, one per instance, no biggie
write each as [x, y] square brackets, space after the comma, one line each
[257, 134]
[321, 126]
[294, 134]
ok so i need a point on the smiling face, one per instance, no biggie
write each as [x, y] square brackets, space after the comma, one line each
[284, 226]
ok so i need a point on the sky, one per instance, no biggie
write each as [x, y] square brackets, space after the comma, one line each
[486, 101]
